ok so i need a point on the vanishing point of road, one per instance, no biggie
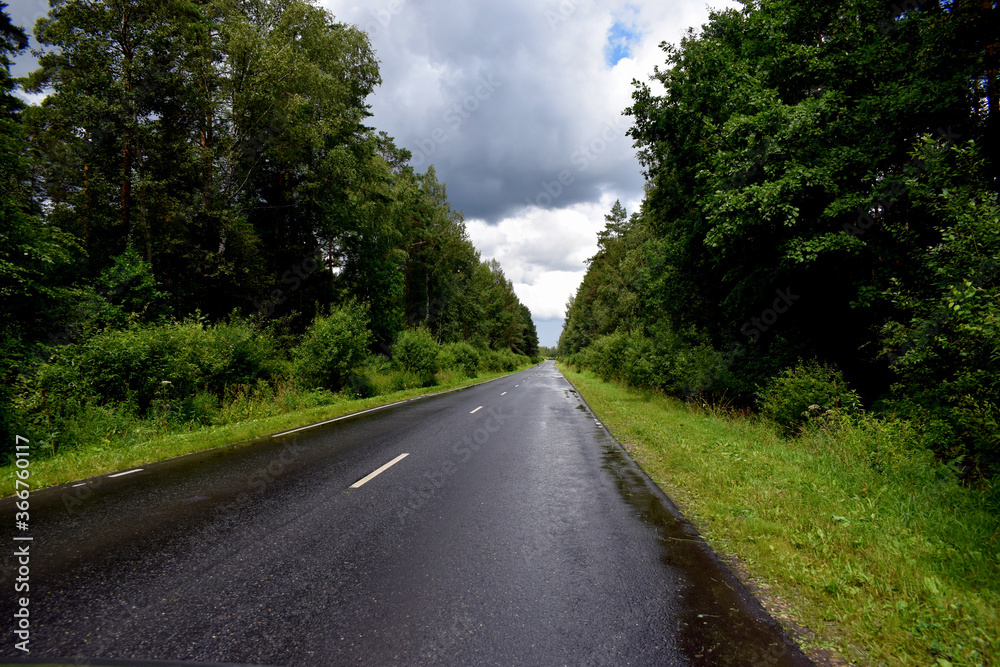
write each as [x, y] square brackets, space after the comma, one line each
[495, 525]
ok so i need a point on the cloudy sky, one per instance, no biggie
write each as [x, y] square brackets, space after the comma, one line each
[518, 105]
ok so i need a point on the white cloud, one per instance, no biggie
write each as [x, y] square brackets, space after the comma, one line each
[544, 251]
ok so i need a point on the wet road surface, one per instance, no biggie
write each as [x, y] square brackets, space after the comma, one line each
[514, 531]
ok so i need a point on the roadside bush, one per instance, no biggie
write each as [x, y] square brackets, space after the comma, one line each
[628, 357]
[606, 355]
[446, 359]
[168, 362]
[664, 362]
[361, 385]
[639, 367]
[499, 361]
[700, 370]
[402, 379]
[126, 290]
[465, 358]
[416, 351]
[201, 408]
[333, 346]
[809, 390]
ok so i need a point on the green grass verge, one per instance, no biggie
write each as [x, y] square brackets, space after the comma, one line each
[875, 553]
[121, 450]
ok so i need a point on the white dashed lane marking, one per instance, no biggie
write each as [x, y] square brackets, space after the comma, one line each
[379, 471]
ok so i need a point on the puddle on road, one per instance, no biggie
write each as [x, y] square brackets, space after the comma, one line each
[721, 622]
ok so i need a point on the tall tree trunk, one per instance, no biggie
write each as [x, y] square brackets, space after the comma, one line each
[126, 186]
[128, 156]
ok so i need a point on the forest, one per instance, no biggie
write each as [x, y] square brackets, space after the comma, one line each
[820, 231]
[197, 215]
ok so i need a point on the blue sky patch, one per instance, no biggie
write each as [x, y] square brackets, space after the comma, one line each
[620, 41]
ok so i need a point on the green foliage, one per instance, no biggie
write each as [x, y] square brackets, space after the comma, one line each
[608, 300]
[166, 363]
[333, 346]
[173, 373]
[126, 292]
[402, 380]
[463, 357]
[606, 356]
[361, 385]
[417, 352]
[501, 361]
[700, 371]
[202, 407]
[943, 342]
[685, 368]
[809, 390]
[821, 183]
[35, 256]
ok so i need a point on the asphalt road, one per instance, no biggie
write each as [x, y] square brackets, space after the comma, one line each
[514, 531]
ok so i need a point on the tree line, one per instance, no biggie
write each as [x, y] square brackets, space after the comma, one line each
[821, 208]
[209, 162]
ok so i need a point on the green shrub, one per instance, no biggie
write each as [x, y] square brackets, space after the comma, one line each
[446, 358]
[627, 357]
[499, 361]
[606, 355]
[416, 351]
[201, 408]
[333, 346]
[126, 290]
[639, 367]
[360, 385]
[809, 390]
[400, 380]
[700, 370]
[168, 363]
[465, 357]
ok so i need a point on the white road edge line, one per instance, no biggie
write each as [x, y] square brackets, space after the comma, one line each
[476, 410]
[337, 419]
[376, 473]
[127, 472]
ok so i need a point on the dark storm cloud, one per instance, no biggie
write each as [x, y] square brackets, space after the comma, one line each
[507, 100]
